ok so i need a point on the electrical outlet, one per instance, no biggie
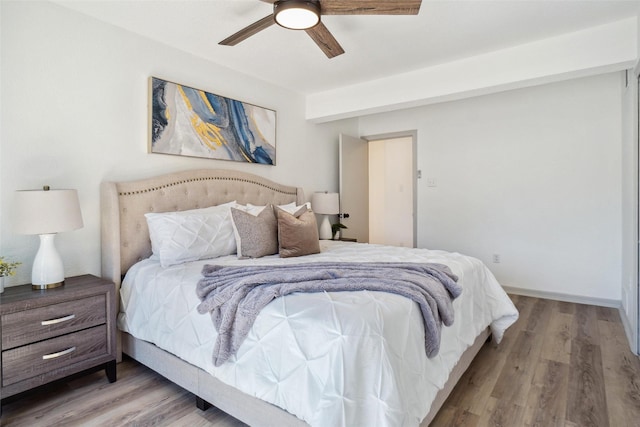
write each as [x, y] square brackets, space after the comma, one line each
[496, 258]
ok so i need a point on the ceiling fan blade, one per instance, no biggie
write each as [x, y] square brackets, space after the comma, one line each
[325, 40]
[269, 1]
[247, 32]
[370, 7]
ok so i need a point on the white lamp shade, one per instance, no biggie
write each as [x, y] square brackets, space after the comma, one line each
[325, 203]
[47, 211]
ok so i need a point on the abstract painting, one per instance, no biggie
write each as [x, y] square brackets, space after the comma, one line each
[191, 122]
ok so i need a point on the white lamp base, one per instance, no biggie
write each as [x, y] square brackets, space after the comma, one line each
[48, 271]
[325, 228]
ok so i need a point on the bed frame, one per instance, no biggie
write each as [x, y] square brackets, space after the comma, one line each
[125, 241]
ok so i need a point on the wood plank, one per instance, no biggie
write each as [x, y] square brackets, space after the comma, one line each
[586, 401]
[453, 417]
[519, 369]
[546, 405]
[585, 324]
[557, 341]
[622, 375]
[474, 388]
[609, 314]
[90, 394]
[565, 307]
[538, 320]
[445, 416]
[501, 413]
[151, 408]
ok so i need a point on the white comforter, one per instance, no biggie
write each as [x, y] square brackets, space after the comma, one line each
[331, 359]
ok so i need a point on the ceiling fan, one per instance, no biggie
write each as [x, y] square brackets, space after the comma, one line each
[305, 15]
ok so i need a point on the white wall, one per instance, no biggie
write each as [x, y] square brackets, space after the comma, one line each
[74, 113]
[531, 174]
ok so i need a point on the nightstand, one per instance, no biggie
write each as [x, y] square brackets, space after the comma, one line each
[50, 334]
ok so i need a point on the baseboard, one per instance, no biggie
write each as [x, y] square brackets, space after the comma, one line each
[602, 302]
[629, 332]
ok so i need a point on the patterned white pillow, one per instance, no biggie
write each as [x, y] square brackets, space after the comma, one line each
[178, 237]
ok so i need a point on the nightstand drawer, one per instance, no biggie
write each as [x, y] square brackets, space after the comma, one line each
[59, 353]
[53, 320]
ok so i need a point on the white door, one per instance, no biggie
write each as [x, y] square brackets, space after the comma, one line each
[391, 192]
[354, 185]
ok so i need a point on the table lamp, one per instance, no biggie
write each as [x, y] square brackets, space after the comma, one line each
[325, 204]
[47, 212]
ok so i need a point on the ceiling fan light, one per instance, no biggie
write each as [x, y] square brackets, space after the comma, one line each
[296, 14]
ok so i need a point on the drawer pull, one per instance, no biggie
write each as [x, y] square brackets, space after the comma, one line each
[58, 320]
[58, 354]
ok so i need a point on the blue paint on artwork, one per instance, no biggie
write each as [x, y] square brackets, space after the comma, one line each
[158, 116]
[240, 125]
[219, 104]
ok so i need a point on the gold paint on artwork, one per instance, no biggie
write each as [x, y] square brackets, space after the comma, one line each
[208, 133]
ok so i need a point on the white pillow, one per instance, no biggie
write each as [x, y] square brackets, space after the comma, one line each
[289, 208]
[178, 237]
[253, 209]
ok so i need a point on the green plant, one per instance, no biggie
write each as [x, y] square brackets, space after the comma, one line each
[335, 228]
[8, 268]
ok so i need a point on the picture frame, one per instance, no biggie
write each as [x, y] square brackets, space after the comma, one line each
[191, 122]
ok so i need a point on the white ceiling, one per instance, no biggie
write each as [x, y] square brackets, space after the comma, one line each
[375, 46]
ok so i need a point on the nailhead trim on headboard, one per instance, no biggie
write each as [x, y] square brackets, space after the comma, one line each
[217, 178]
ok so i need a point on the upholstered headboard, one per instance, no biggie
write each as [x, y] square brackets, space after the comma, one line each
[124, 231]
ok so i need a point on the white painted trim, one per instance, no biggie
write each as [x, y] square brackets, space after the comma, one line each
[579, 299]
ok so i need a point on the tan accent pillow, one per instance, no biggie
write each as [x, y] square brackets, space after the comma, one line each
[256, 235]
[297, 233]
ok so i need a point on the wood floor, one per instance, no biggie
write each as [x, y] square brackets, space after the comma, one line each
[561, 364]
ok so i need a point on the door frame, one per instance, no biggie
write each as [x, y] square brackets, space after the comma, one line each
[413, 134]
[635, 340]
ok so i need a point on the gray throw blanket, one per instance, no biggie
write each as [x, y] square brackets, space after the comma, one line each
[235, 295]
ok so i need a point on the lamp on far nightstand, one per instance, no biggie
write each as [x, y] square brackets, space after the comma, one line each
[325, 204]
[47, 212]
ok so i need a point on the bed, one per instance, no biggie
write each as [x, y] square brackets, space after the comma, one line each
[309, 359]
